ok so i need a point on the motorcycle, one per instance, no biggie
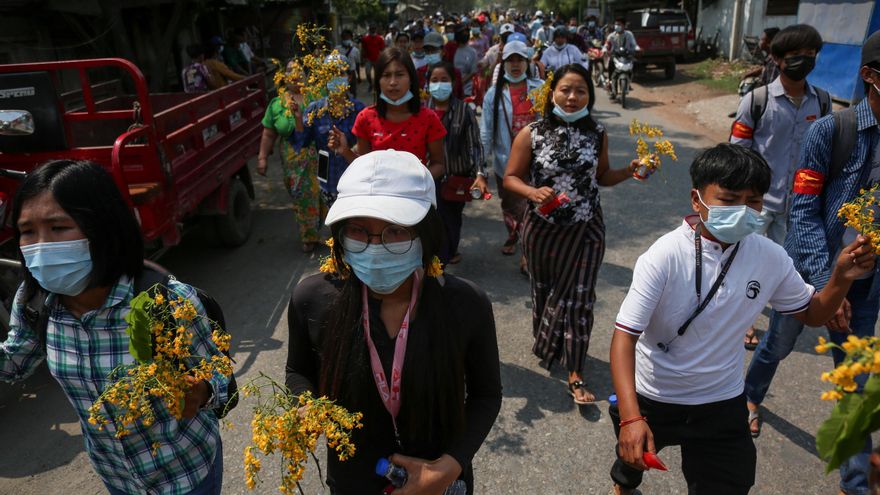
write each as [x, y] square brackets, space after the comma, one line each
[622, 74]
[597, 63]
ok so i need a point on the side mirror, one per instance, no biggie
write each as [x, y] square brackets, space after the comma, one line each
[16, 123]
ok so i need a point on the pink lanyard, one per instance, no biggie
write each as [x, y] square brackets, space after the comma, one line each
[390, 398]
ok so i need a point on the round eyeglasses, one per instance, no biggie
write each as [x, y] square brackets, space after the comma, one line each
[395, 238]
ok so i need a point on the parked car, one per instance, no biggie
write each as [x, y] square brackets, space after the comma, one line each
[663, 36]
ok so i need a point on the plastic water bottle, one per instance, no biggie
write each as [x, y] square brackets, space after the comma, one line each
[398, 476]
[612, 400]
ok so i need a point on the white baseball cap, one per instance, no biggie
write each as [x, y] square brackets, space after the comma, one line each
[389, 185]
[507, 28]
[515, 47]
[539, 14]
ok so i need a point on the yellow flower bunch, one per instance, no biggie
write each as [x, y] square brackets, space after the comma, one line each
[541, 95]
[311, 73]
[855, 416]
[859, 214]
[161, 342]
[651, 160]
[862, 357]
[291, 427]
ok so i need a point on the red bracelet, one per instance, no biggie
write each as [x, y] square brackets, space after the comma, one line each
[633, 420]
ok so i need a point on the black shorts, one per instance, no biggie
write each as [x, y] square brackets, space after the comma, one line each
[717, 452]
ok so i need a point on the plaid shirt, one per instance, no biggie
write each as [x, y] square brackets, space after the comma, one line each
[81, 353]
[815, 231]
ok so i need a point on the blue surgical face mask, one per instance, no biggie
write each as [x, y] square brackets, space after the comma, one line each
[559, 46]
[591, 24]
[570, 116]
[379, 269]
[731, 224]
[337, 84]
[475, 31]
[440, 90]
[519, 78]
[346, 43]
[418, 54]
[60, 267]
[400, 101]
[432, 58]
[618, 28]
[530, 51]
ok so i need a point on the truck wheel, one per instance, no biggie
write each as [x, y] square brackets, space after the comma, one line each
[670, 70]
[234, 228]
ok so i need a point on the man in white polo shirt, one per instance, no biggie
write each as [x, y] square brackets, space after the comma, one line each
[677, 354]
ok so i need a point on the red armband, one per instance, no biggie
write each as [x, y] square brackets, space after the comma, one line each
[741, 131]
[808, 181]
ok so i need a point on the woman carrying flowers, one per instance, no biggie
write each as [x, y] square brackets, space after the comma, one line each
[388, 335]
[465, 167]
[397, 121]
[336, 110]
[83, 251]
[558, 164]
[507, 109]
[300, 166]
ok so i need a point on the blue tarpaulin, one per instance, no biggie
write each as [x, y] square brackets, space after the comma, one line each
[844, 26]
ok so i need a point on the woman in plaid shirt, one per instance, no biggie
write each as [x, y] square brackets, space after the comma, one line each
[83, 247]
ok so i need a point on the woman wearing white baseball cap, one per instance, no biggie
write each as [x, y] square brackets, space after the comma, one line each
[383, 309]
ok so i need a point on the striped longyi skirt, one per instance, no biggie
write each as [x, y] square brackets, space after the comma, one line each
[563, 262]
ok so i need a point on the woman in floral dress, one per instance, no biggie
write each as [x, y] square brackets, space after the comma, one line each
[300, 168]
[564, 155]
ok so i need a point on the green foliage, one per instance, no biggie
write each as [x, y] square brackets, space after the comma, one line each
[140, 344]
[718, 73]
[853, 419]
[367, 11]
[568, 8]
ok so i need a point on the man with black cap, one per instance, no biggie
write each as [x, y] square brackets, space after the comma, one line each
[840, 156]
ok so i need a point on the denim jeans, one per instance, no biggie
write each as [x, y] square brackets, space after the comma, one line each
[211, 485]
[778, 343]
[776, 227]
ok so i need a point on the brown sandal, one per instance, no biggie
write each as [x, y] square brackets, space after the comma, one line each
[751, 339]
[756, 419]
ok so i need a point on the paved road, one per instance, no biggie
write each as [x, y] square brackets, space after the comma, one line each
[541, 442]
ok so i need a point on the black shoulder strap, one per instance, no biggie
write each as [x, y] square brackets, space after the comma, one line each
[824, 101]
[36, 314]
[759, 104]
[844, 140]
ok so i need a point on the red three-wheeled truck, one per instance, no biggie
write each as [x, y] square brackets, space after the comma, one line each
[174, 156]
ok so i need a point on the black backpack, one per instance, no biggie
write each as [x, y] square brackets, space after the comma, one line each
[845, 126]
[37, 315]
[759, 103]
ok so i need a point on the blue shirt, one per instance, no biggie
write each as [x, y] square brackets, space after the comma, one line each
[815, 231]
[318, 132]
[498, 146]
[777, 136]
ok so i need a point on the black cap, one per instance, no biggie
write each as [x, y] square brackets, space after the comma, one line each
[871, 50]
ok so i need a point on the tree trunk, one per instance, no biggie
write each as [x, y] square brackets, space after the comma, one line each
[113, 14]
[158, 67]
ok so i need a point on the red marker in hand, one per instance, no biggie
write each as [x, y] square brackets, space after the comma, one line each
[653, 462]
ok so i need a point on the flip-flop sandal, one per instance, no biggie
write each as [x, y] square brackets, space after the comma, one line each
[751, 340]
[755, 416]
[508, 244]
[583, 386]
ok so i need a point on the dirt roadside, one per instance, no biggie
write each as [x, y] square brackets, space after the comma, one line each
[687, 102]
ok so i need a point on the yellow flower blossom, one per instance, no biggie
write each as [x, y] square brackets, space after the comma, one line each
[435, 269]
[541, 95]
[134, 389]
[291, 428]
[651, 160]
